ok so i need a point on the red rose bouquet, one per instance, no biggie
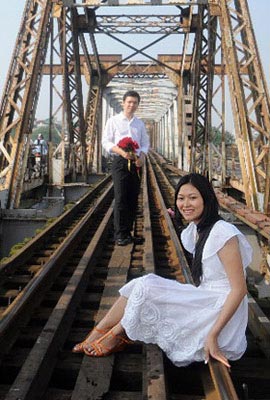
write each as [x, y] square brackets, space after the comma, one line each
[130, 146]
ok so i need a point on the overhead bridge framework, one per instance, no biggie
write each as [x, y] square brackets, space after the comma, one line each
[183, 57]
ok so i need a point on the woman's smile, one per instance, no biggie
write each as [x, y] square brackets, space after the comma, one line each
[187, 211]
[190, 203]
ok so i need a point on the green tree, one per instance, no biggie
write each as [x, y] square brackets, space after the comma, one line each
[216, 137]
[44, 130]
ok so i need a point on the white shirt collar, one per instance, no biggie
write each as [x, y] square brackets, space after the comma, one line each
[122, 115]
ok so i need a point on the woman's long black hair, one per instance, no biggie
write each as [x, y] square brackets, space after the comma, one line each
[209, 217]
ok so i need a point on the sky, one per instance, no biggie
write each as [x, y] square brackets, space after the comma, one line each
[11, 14]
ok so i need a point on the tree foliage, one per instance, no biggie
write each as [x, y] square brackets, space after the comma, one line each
[44, 130]
[216, 137]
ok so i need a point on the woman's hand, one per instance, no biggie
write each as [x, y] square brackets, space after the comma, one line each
[211, 349]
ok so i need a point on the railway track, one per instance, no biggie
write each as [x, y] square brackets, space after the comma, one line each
[39, 330]
[251, 374]
[27, 274]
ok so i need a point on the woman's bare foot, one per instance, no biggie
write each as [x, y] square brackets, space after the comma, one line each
[111, 342]
[93, 335]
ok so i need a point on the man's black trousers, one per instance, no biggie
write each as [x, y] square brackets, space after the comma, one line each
[126, 192]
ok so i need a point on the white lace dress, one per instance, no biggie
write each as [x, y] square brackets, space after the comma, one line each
[177, 317]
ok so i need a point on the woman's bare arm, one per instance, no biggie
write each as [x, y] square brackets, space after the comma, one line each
[231, 259]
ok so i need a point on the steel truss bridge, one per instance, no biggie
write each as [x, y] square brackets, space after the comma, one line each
[193, 62]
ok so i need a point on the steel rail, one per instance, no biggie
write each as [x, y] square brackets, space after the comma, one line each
[220, 385]
[24, 254]
[28, 297]
[36, 371]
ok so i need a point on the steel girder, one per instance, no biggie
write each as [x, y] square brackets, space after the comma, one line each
[94, 101]
[201, 89]
[184, 102]
[249, 96]
[115, 3]
[192, 76]
[250, 101]
[20, 98]
[73, 98]
[138, 24]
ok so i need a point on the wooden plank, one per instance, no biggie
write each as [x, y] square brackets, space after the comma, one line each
[155, 377]
[256, 368]
[95, 374]
[259, 325]
[38, 367]
[125, 396]
[154, 384]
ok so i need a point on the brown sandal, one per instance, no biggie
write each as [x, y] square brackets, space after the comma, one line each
[78, 348]
[100, 350]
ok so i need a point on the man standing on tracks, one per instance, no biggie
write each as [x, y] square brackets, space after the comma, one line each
[126, 139]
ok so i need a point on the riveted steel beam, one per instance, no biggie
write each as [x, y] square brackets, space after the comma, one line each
[20, 98]
[250, 101]
[73, 93]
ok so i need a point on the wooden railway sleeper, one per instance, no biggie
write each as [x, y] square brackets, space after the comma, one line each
[155, 385]
[53, 230]
[35, 374]
[25, 300]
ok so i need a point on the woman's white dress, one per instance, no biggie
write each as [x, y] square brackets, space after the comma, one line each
[177, 317]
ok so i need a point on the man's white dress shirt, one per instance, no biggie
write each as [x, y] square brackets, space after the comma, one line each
[119, 127]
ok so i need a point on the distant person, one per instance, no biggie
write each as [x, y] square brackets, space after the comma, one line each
[126, 139]
[41, 147]
[40, 152]
[188, 322]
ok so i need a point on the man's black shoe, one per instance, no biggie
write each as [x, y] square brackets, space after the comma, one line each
[138, 240]
[124, 242]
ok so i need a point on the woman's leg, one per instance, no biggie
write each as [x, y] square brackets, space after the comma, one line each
[112, 341]
[111, 323]
[111, 319]
[114, 315]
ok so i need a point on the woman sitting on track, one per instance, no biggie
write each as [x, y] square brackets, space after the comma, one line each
[188, 322]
